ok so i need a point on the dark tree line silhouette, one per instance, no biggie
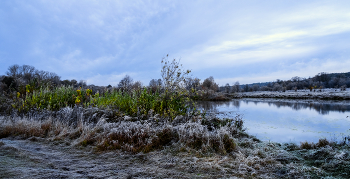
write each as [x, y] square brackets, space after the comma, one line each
[339, 81]
[17, 77]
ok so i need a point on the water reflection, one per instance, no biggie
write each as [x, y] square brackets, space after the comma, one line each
[287, 120]
[322, 107]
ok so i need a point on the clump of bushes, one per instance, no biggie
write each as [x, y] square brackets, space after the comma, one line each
[137, 103]
[321, 143]
[140, 102]
[169, 100]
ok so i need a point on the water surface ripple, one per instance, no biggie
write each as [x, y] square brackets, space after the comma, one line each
[281, 120]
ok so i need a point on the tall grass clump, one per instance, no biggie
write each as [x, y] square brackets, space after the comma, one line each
[138, 103]
[52, 99]
[169, 100]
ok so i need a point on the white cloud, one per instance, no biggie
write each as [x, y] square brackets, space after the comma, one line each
[301, 69]
[292, 34]
[81, 39]
[104, 80]
[77, 63]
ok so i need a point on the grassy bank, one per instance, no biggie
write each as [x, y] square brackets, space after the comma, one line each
[212, 147]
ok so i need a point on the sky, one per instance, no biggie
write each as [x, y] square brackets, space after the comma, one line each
[246, 41]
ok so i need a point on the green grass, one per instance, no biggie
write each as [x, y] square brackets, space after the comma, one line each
[134, 103]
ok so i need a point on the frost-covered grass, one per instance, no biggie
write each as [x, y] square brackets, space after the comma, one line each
[203, 146]
[127, 133]
[328, 93]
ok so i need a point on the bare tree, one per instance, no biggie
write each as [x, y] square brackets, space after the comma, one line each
[173, 75]
[236, 87]
[227, 88]
[246, 88]
[27, 69]
[126, 83]
[155, 84]
[255, 87]
[26, 74]
[41, 75]
[137, 85]
[209, 83]
[13, 71]
[192, 83]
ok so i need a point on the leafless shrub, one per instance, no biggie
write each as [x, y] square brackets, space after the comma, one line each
[307, 145]
[126, 83]
[322, 142]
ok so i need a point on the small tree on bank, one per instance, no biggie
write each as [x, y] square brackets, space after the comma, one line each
[175, 98]
[209, 84]
[174, 78]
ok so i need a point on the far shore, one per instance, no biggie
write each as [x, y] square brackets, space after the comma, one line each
[324, 94]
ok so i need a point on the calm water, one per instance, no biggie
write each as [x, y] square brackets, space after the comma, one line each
[287, 120]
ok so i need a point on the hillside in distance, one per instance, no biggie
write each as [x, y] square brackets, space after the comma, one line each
[320, 81]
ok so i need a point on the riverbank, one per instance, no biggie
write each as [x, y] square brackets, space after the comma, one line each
[324, 94]
[86, 143]
[327, 94]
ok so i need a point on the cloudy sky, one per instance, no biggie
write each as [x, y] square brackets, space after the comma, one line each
[245, 41]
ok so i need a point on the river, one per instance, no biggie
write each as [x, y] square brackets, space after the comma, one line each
[281, 120]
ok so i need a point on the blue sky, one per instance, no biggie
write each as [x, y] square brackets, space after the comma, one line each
[245, 41]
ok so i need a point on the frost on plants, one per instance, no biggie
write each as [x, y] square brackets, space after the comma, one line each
[160, 125]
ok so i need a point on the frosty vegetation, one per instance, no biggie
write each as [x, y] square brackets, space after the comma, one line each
[158, 120]
[210, 146]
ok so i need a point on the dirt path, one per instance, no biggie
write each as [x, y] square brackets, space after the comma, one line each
[38, 159]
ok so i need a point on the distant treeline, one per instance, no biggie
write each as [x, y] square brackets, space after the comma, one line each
[18, 78]
[316, 83]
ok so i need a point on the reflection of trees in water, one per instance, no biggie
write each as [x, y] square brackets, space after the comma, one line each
[211, 106]
[322, 108]
[207, 105]
[236, 103]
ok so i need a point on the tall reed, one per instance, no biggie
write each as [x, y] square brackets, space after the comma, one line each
[133, 103]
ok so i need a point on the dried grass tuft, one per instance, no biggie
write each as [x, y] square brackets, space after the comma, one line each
[322, 142]
[306, 145]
